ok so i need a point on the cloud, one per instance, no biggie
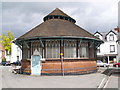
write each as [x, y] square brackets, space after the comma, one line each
[20, 17]
[99, 17]
[0, 18]
[119, 14]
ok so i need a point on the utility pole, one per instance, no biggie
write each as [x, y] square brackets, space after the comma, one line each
[62, 56]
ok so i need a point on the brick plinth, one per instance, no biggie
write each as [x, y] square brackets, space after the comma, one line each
[54, 67]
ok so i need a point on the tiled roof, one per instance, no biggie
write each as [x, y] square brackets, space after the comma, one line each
[57, 11]
[57, 27]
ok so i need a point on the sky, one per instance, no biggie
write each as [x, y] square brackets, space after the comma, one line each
[20, 17]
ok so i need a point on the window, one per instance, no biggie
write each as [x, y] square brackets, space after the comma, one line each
[66, 18]
[52, 49]
[51, 17]
[35, 46]
[70, 49]
[28, 52]
[83, 51]
[98, 50]
[17, 58]
[112, 48]
[97, 36]
[17, 49]
[61, 17]
[56, 17]
[111, 37]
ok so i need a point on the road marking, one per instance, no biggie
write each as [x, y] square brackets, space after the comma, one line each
[103, 83]
[106, 83]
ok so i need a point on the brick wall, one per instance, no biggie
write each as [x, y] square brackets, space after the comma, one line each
[26, 66]
[54, 67]
[69, 67]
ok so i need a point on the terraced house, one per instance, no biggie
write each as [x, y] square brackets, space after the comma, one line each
[109, 50]
[118, 45]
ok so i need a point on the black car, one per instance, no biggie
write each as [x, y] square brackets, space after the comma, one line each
[18, 63]
[7, 63]
[3, 63]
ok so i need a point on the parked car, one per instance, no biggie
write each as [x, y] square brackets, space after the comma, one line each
[101, 64]
[7, 63]
[116, 65]
[18, 63]
[3, 63]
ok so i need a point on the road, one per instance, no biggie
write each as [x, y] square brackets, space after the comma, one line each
[114, 81]
[0, 77]
[11, 80]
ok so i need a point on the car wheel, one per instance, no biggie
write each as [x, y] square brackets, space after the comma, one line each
[117, 66]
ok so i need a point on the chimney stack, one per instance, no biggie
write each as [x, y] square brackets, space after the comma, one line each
[116, 29]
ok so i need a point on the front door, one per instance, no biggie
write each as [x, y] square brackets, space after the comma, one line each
[36, 65]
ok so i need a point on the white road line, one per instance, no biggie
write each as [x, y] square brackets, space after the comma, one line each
[103, 83]
[106, 83]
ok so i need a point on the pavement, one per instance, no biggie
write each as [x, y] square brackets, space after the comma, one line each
[11, 80]
[0, 77]
[114, 78]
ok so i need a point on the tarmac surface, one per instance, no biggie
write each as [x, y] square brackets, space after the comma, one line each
[11, 80]
[113, 82]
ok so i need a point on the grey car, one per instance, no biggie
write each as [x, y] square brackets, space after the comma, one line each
[101, 64]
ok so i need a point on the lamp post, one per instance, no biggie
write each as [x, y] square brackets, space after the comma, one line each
[62, 65]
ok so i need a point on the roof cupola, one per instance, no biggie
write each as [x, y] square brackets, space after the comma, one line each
[58, 14]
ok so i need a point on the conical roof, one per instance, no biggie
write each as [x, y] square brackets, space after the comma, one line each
[57, 27]
[57, 11]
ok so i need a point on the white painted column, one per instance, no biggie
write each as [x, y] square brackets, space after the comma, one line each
[108, 60]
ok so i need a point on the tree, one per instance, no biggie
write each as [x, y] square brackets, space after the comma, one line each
[6, 41]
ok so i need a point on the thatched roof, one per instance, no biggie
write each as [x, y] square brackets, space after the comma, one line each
[57, 28]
